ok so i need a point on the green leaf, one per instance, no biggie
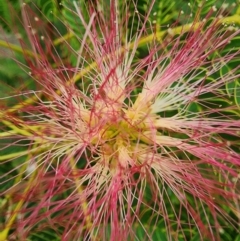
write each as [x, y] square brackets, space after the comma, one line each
[5, 14]
[49, 8]
[45, 235]
[230, 86]
[237, 94]
[237, 238]
[163, 12]
[204, 6]
[194, 108]
[71, 19]
[160, 234]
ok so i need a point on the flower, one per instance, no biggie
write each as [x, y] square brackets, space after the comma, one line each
[115, 149]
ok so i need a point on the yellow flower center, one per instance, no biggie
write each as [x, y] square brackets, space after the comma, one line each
[118, 140]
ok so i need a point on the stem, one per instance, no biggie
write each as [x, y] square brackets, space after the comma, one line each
[63, 38]
[16, 129]
[27, 102]
[22, 153]
[17, 48]
[7, 133]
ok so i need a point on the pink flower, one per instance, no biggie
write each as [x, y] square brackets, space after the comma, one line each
[113, 150]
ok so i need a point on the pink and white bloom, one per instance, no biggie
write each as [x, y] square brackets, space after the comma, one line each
[119, 154]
